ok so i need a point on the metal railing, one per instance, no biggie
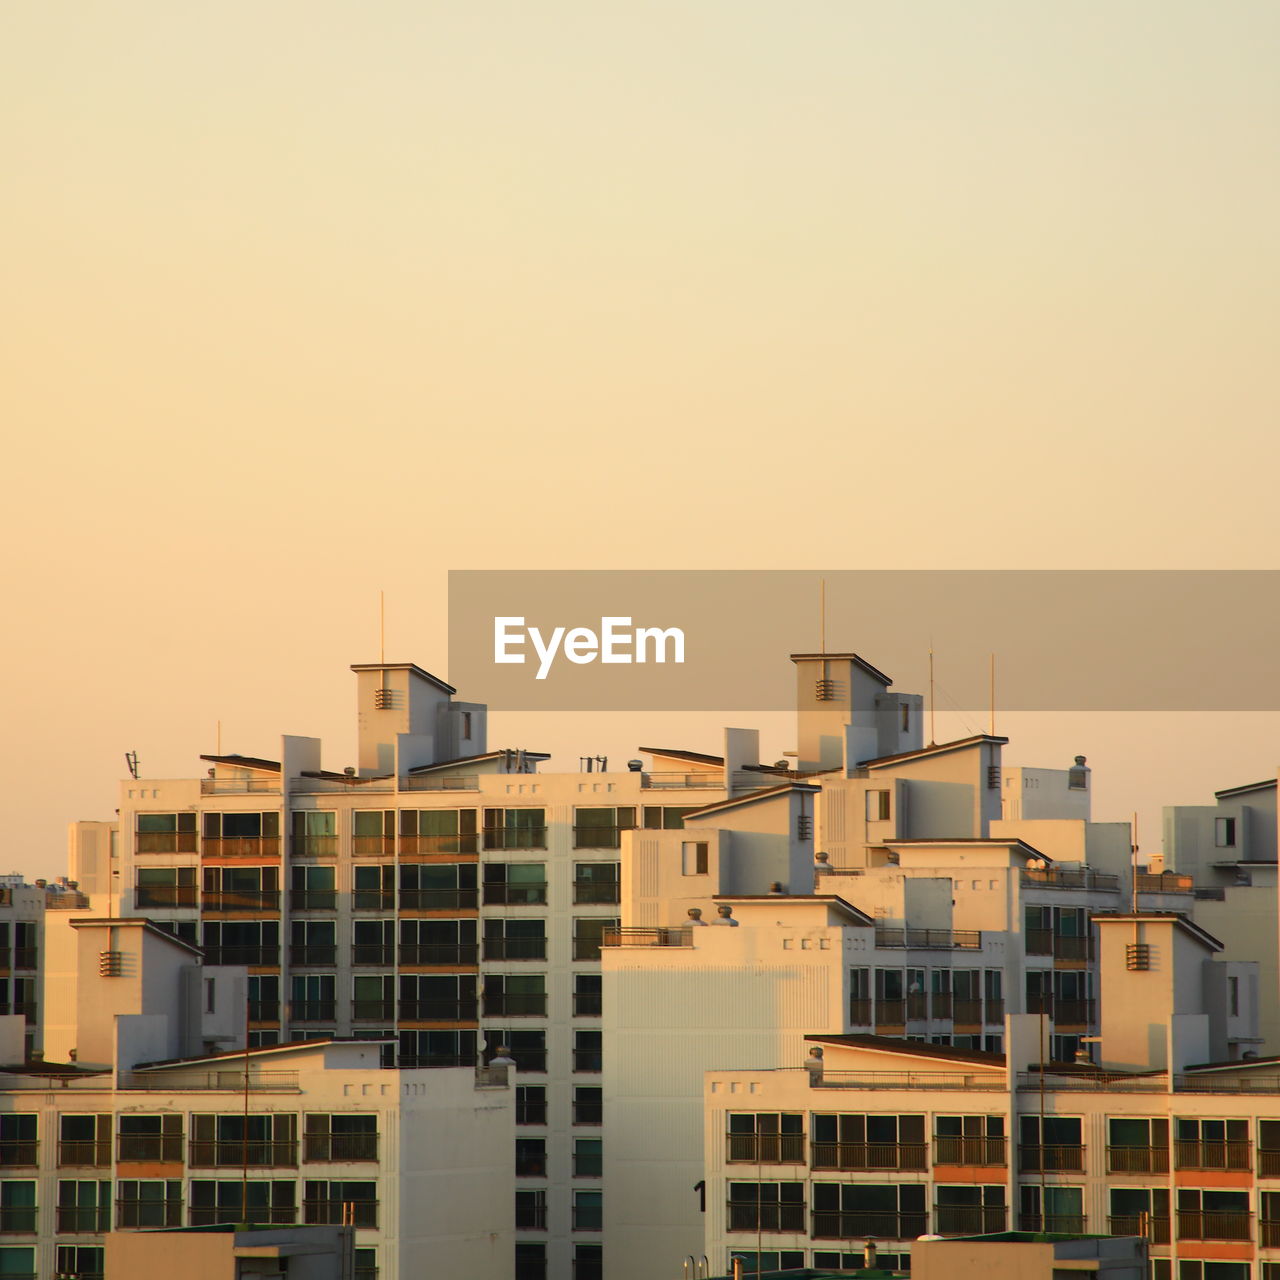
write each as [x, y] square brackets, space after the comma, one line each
[585, 891]
[313, 899]
[457, 843]
[525, 893]
[929, 939]
[1268, 1162]
[520, 1004]
[83, 1219]
[764, 1148]
[1269, 1233]
[969, 1220]
[1214, 1226]
[332, 786]
[438, 899]
[1054, 1223]
[591, 1217]
[256, 1153]
[240, 900]
[208, 1215]
[240, 846]
[891, 1013]
[588, 1112]
[515, 837]
[868, 1155]
[839, 1224]
[1211, 1155]
[1137, 1159]
[165, 842]
[313, 1010]
[463, 1010]
[1164, 882]
[530, 1217]
[429, 782]
[1050, 1159]
[373, 899]
[163, 1148]
[132, 1212]
[639, 936]
[340, 1147]
[257, 956]
[712, 780]
[359, 1213]
[967, 1013]
[531, 1112]
[764, 1215]
[1220, 1084]
[594, 836]
[373, 953]
[907, 1080]
[166, 895]
[314, 846]
[264, 1010]
[1074, 878]
[1093, 1082]
[588, 1061]
[426, 953]
[587, 1004]
[1073, 1013]
[990, 1152]
[1139, 1224]
[373, 1010]
[373, 846]
[87, 1153]
[239, 786]
[515, 948]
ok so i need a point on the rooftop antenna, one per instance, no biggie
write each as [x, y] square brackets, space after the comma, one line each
[933, 702]
[131, 759]
[382, 627]
[822, 615]
[993, 695]
[219, 737]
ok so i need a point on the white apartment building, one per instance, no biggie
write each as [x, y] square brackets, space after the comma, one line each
[150, 1111]
[874, 1138]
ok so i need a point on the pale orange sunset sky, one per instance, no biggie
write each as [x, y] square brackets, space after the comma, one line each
[305, 300]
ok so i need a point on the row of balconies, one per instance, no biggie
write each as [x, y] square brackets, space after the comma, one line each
[952, 1220]
[921, 1007]
[788, 1148]
[188, 897]
[335, 1148]
[380, 955]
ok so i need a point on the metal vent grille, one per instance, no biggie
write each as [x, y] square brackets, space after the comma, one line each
[1137, 955]
[111, 964]
[826, 690]
[386, 699]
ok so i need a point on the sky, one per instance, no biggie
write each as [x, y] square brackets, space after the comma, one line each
[306, 301]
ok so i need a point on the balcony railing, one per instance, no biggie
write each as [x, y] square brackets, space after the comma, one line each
[590, 1217]
[929, 939]
[17, 1220]
[917, 1007]
[313, 900]
[208, 1215]
[313, 1010]
[257, 1154]
[588, 1061]
[590, 836]
[521, 1004]
[315, 846]
[241, 900]
[525, 893]
[239, 786]
[1215, 1226]
[373, 1010]
[1073, 1013]
[1139, 1224]
[132, 1212]
[712, 780]
[240, 846]
[965, 1081]
[231, 1080]
[890, 1013]
[1268, 1162]
[764, 1148]
[373, 846]
[359, 1213]
[586, 1004]
[1068, 947]
[425, 953]
[515, 837]
[531, 1112]
[859, 1012]
[437, 899]
[1035, 1159]
[638, 936]
[439, 844]
[1063, 878]
[341, 1147]
[166, 895]
[764, 1216]
[1093, 1082]
[1065, 1223]
[88, 1153]
[463, 1010]
[1211, 1155]
[1038, 942]
[256, 956]
[531, 1217]
[162, 1148]
[597, 891]
[515, 948]
[432, 782]
[373, 953]
[588, 1113]
[310, 954]
[264, 1010]
[165, 842]
[1165, 882]
[19, 1153]
[374, 899]
[991, 1152]
[1269, 1233]
[868, 1155]
[83, 1219]
[967, 1013]
[840, 1224]
[969, 1220]
[1137, 1159]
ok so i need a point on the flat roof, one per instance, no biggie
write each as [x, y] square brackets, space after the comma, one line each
[857, 659]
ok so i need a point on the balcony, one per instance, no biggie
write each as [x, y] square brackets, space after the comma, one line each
[313, 1010]
[463, 1010]
[969, 1220]
[256, 1154]
[976, 1152]
[764, 1148]
[531, 1217]
[240, 846]
[258, 1214]
[1063, 1223]
[588, 1112]
[712, 780]
[586, 1004]
[1137, 1159]
[1072, 949]
[373, 1010]
[531, 1112]
[151, 1147]
[526, 893]
[336, 1148]
[764, 1216]
[165, 842]
[24, 958]
[226, 1081]
[264, 1010]
[314, 846]
[961, 1081]
[166, 896]
[241, 900]
[929, 939]
[967, 1013]
[1215, 1226]
[1036, 1159]
[19, 1153]
[1073, 1013]
[438, 899]
[639, 936]
[515, 948]
[891, 1013]
[515, 837]
[410, 845]
[1155, 1230]
[428, 953]
[313, 900]
[86, 1154]
[132, 1212]
[1063, 878]
[588, 1061]
[1268, 1162]
[359, 1213]
[17, 1220]
[1212, 1155]
[380, 954]
[374, 899]
[859, 1012]
[83, 1219]
[1166, 882]
[597, 837]
[590, 1217]
[917, 1007]
[860, 1224]
[239, 786]
[1269, 1233]
[431, 782]
[587, 891]
[869, 1155]
[515, 1005]
[373, 846]
[311, 954]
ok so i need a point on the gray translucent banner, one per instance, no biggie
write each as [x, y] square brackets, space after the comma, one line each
[1062, 640]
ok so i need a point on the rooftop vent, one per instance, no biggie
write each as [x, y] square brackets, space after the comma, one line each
[111, 964]
[1137, 956]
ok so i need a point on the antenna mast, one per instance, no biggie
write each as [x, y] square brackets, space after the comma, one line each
[933, 703]
[382, 626]
[993, 695]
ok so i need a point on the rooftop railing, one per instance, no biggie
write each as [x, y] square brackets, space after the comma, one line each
[229, 1080]
[1070, 878]
[433, 782]
[930, 939]
[638, 936]
[1093, 1082]
[1164, 882]
[328, 786]
[962, 1080]
[239, 786]
[711, 780]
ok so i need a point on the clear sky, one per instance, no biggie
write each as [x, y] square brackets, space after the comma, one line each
[304, 300]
